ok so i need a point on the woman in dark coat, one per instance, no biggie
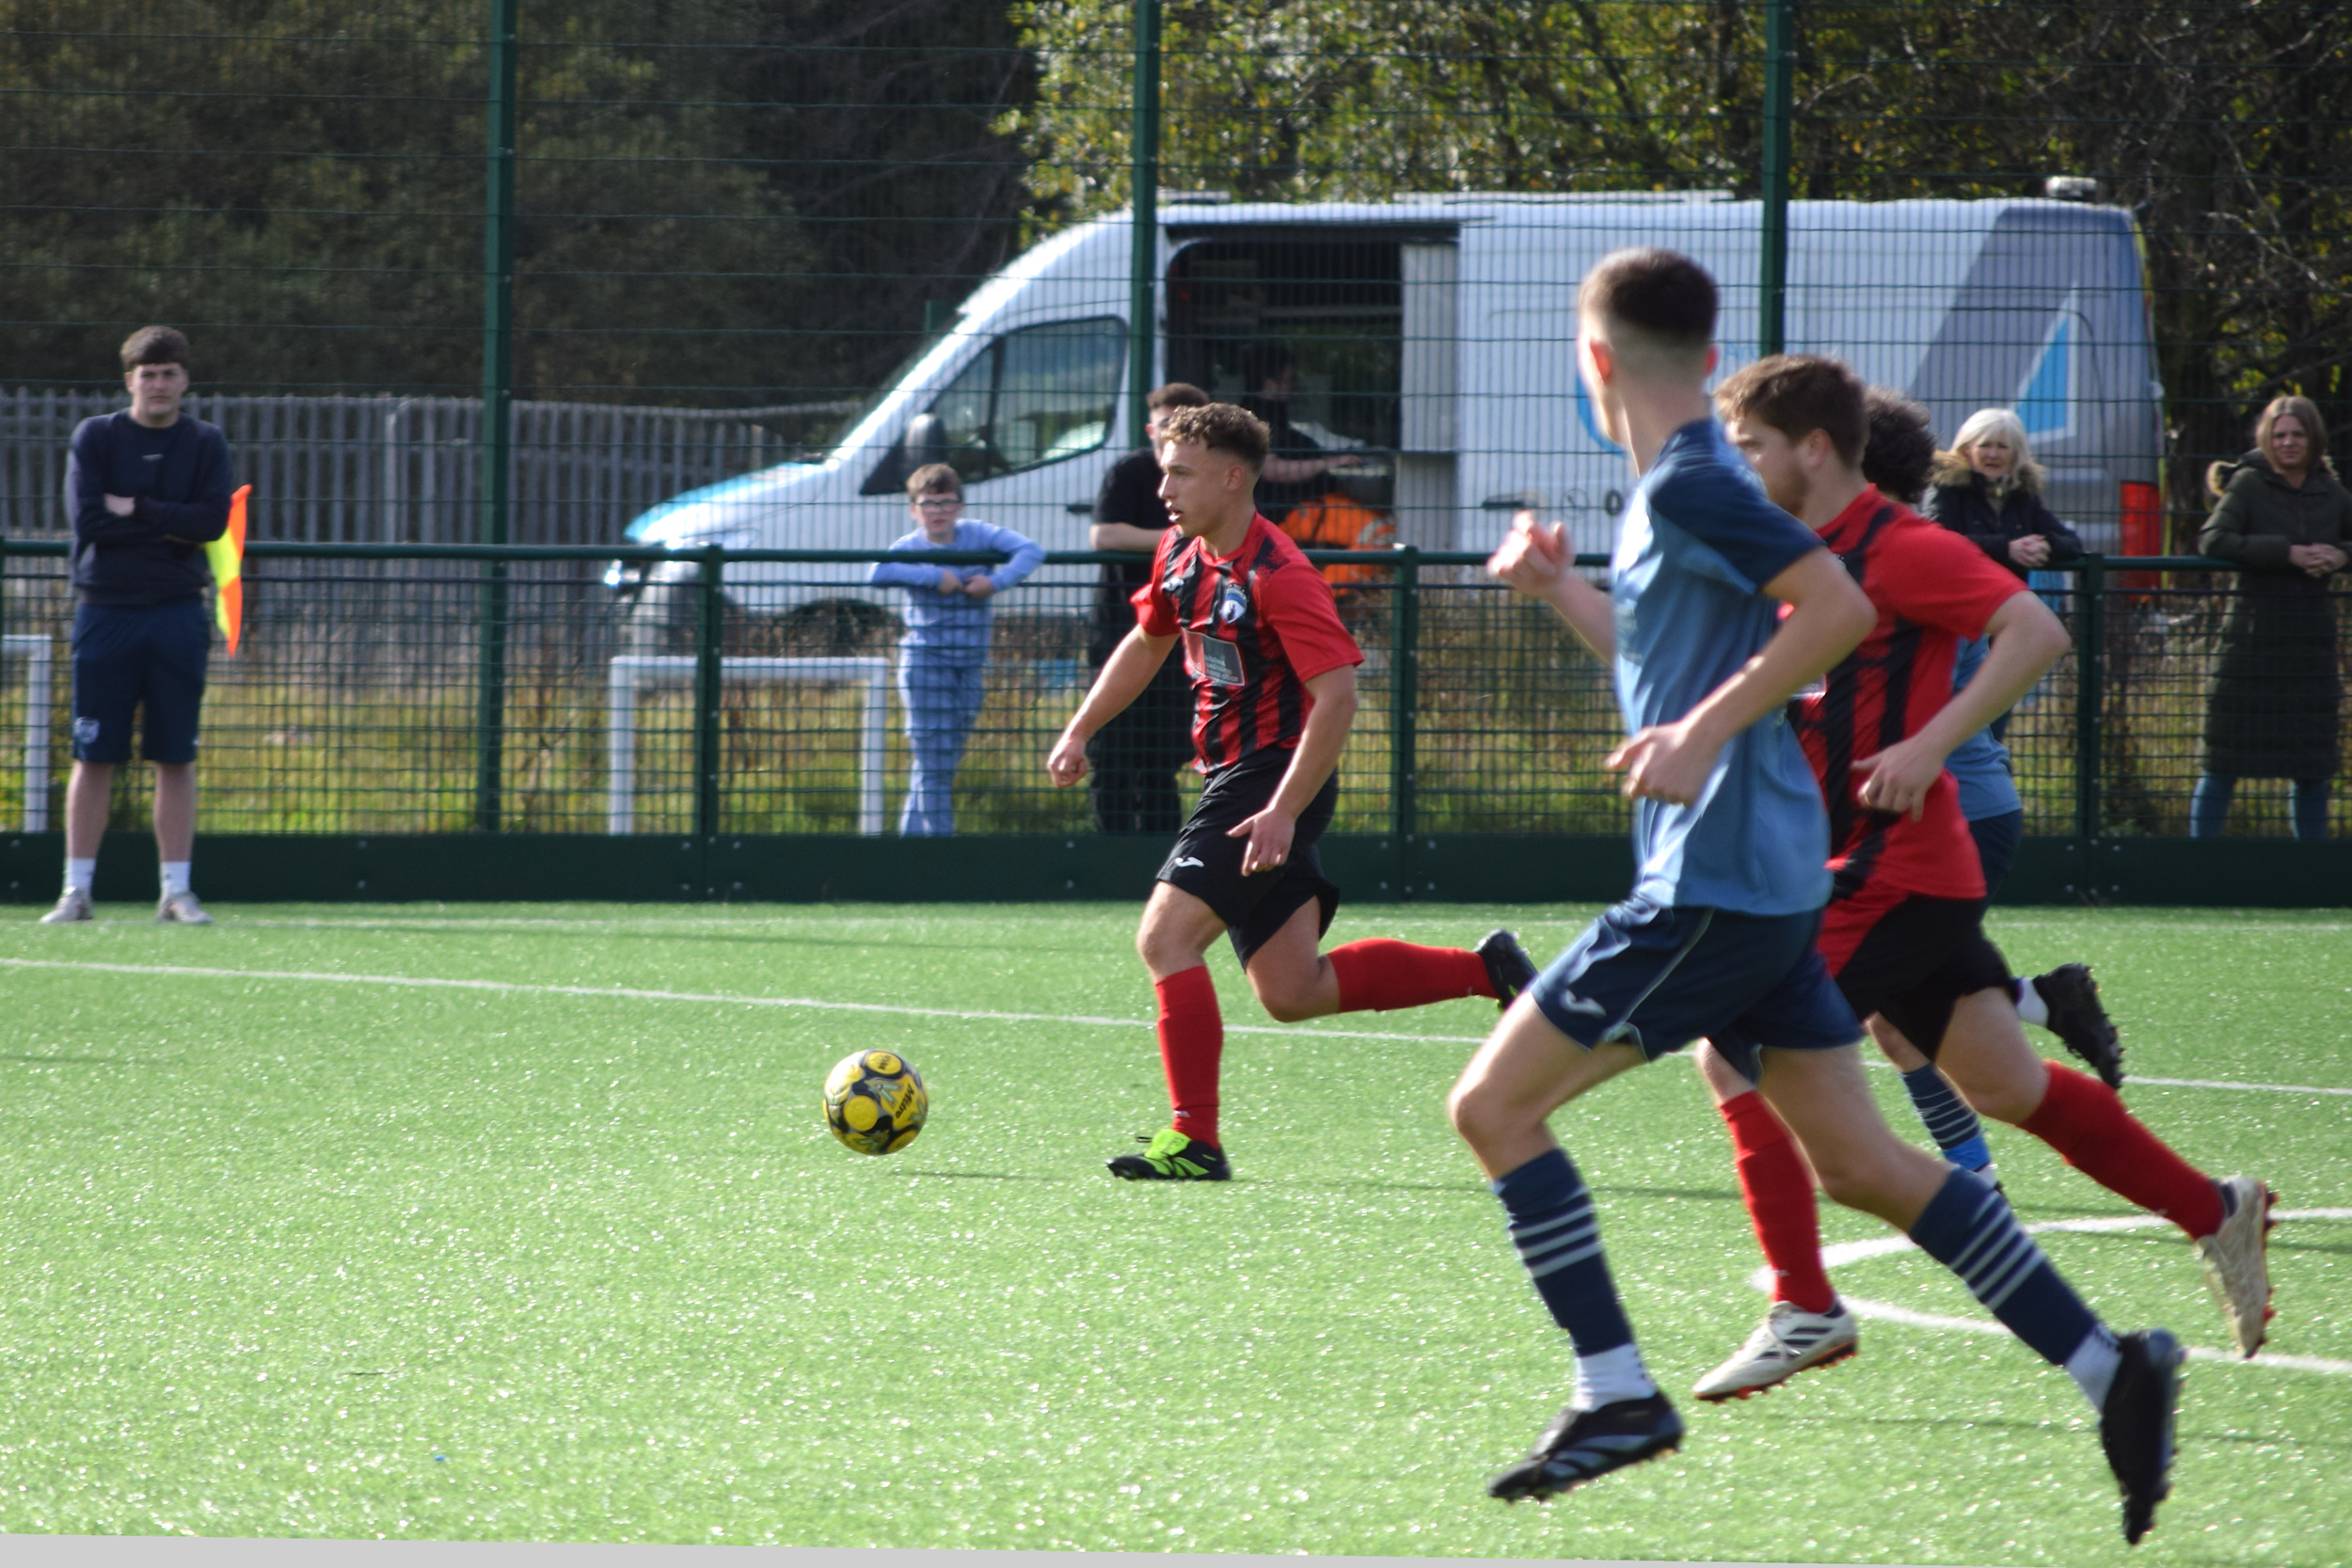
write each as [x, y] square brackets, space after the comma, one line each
[1987, 489]
[2285, 520]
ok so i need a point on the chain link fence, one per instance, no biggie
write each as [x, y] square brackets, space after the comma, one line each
[355, 706]
[732, 268]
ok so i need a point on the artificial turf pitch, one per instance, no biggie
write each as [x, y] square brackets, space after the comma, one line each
[284, 1254]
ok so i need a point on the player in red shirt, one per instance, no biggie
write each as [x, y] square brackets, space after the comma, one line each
[1273, 683]
[1903, 933]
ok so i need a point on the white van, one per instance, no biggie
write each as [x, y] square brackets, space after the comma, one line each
[1437, 333]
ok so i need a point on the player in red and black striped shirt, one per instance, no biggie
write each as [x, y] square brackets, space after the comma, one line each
[1274, 693]
[1903, 933]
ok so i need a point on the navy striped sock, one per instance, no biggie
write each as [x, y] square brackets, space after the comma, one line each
[1969, 1229]
[1949, 1120]
[1558, 1237]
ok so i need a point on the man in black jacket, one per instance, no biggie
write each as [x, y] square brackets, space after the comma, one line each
[1135, 758]
[146, 489]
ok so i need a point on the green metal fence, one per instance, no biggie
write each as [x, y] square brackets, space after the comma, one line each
[770, 704]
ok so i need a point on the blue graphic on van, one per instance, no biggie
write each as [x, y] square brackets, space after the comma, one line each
[2045, 403]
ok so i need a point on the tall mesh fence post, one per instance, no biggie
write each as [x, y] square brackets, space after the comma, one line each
[2090, 595]
[498, 388]
[1404, 691]
[709, 643]
[1144, 260]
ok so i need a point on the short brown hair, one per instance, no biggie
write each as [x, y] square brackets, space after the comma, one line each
[1660, 294]
[155, 345]
[934, 476]
[2302, 409]
[1176, 394]
[1224, 427]
[1798, 394]
[1900, 452]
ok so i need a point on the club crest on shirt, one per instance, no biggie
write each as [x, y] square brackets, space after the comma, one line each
[1232, 604]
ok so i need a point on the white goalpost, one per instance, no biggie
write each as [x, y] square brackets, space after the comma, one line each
[40, 657]
[630, 672]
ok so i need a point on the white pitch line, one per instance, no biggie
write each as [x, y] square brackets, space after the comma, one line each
[2222, 1083]
[727, 998]
[1882, 1246]
[704, 998]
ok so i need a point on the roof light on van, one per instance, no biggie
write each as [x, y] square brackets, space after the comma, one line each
[1195, 199]
[2070, 187]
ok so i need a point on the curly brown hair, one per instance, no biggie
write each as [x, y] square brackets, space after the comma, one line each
[1224, 427]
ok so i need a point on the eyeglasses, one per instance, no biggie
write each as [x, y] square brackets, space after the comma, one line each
[939, 501]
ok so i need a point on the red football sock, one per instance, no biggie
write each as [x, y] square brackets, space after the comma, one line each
[1379, 976]
[1779, 1192]
[2082, 1119]
[1192, 1041]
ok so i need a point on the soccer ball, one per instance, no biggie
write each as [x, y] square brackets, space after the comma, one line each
[875, 1101]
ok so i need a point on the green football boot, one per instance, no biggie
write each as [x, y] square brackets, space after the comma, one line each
[1170, 1156]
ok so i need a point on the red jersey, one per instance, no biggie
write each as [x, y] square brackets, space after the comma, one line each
[1931, 588]
[1257, 626]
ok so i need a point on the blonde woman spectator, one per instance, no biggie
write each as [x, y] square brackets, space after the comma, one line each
[2285, 521]
[1987, 489]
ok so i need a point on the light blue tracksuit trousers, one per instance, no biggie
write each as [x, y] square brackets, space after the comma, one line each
[942, 698]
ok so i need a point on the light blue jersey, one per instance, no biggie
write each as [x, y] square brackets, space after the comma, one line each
[1980, 765]
[1699, 541]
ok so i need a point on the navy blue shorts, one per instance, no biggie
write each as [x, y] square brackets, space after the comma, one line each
[128, 657]
[1659, 978]
[1997, 838]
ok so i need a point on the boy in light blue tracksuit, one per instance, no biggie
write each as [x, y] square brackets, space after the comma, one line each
[942, 659]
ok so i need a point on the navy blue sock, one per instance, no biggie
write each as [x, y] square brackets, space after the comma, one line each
[1969, 1229]
[1558, 1237]
[1948, 1118]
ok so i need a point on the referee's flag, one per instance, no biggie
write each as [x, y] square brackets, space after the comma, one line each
[226, 555]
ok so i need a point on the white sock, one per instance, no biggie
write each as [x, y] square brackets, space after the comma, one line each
[2030, 1008]
[175, 876]
[1611, 1375]
[2092, 1366]
[80, 873]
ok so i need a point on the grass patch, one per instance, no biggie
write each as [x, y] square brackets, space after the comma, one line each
[286, 1256]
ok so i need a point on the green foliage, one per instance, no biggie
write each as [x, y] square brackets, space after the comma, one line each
[303, 190]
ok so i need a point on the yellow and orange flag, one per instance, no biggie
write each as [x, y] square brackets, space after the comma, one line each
[226, 555]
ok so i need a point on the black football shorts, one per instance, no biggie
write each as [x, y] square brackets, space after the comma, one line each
[1207, 864]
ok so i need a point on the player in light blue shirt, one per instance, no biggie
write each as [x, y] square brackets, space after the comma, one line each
[1698, 542]
[1717, 939]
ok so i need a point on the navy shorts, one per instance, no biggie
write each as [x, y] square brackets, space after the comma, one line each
[1207, 864]
[1997, 838]
[129, 657]
[1659, 978]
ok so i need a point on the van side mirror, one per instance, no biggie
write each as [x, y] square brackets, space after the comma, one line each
[924, 441]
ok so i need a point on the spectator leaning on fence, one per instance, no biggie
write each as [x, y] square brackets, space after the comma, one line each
[146, 489]
[1134, 758]
[2285, 520]
[942, 659]
[1988, 488]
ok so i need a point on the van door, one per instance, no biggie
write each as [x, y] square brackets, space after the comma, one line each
[1304, 326]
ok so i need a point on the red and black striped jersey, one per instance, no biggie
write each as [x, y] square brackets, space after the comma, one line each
[1257, 626]
[1931, 589]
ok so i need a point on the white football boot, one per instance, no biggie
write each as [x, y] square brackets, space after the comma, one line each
[1789, 1341]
